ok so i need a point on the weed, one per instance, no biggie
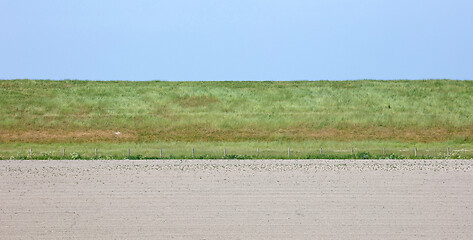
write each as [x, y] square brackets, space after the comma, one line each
[75, 156]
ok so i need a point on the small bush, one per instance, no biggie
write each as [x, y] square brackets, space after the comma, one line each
[363, 155]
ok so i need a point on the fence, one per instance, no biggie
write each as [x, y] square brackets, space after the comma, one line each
[229, 153]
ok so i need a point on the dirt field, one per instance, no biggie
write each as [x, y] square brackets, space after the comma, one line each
[237, 199]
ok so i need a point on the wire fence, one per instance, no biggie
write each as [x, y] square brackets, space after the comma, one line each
[238, 153]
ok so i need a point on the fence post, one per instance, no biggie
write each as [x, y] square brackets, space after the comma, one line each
[415, 151]
[257, 152]
[384, 151]
[352, 152]
[224, 152]
[31, 152]
[192, 152]
[160, 153]
[288, 152]
[128, 152]
[448, 152]
[95, 152]
[63, 152]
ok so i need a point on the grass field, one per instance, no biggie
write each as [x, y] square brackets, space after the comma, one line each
[304, 115]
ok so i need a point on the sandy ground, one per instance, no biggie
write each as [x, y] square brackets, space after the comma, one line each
[237, 199]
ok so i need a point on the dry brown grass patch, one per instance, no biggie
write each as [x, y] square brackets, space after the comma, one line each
[47, 136]
[208, 133]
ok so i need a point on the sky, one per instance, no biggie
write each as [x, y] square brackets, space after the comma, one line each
[216, 40]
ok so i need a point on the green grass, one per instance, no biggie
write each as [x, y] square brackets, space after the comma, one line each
[244, 115]
[235, 150]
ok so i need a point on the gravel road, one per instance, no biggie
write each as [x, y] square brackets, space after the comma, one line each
[236, 199]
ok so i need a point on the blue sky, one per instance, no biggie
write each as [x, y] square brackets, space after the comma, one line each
[181, 40]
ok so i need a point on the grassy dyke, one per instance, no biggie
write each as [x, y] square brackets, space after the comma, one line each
[305, 116]
[43, 111]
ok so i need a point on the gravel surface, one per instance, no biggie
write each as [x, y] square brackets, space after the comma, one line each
[236, 199]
